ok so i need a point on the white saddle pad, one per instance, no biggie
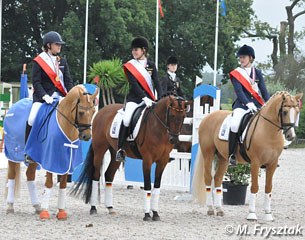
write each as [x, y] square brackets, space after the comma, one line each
[225, 130]
[116, 125]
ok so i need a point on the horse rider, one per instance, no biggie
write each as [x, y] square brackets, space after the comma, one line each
[251, 92]
[143, 80]
[50, 76]
[170, 82]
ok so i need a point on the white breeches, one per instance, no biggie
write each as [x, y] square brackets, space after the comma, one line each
[36, 106]
[129, 109]
[236, 117]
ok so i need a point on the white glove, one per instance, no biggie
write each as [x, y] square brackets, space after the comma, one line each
[48, 99]
[148, 102]
[251, 107]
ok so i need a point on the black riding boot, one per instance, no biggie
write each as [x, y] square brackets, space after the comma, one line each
[28, 129]
[232, 147]
[120, 155]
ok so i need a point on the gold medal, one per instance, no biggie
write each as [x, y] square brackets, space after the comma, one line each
[57, 78]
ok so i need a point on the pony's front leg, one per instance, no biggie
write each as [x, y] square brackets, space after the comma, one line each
[268, 189]
[155, 195]
[61, 204]
[30, 174]
[254, 189]
[44, 214]
[147, 190]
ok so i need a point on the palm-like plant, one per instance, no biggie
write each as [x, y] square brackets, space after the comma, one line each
[109, 74]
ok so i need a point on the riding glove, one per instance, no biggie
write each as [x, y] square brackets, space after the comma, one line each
[251, 107]
[148, 102]
[48, 99]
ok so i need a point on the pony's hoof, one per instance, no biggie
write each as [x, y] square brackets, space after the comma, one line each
[147, 217]
[156, 216]
[111, 211]
[44, 214]
[268, 217]
[10, 211]
[37, 208]
[210, 212]
[93, 210]
[252, 217]
[220, 212]
[62, 215]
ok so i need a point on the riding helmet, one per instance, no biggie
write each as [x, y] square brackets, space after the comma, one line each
[139, 42]
[246, 51]
[172, 60]
[52, 37]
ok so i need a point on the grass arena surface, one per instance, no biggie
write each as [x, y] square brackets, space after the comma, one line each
[180, 219]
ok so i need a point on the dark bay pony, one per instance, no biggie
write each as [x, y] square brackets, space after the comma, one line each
[158, 133]
[264, 143]
[74, 115]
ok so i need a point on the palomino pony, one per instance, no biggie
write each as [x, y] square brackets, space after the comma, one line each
[263, 141]
[74, 115]
[159, 131]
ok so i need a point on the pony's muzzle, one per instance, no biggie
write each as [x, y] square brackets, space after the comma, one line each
[83, 136]
[290, 134]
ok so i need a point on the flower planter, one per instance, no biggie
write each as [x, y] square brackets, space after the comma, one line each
[234, 194]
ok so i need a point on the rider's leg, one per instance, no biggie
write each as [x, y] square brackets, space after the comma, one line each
[34, 110]
[237, 115]
[129, 109]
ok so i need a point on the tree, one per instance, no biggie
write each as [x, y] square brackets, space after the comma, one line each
[109, 74]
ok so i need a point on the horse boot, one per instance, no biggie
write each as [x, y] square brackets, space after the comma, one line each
[233, 137]
[120, 155]
[28, 129]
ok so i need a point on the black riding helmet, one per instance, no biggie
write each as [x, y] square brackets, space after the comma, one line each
[52, 37]
[246, 51]
[172, 60]
[139, 42]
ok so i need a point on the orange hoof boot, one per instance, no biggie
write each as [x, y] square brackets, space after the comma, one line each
[62, 215]
[44, 214]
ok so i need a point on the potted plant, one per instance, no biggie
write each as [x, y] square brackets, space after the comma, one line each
[235, 184]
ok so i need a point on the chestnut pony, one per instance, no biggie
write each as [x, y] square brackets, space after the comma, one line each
[74, 115]
[159, 131]
[264, 143]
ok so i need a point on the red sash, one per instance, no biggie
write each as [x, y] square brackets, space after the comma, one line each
[51, 74]
[239, 77]
[140, 78]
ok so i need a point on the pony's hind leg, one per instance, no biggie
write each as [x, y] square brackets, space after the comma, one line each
[11, 185]
[254, 189]
[30, 174]
[222, 165]
[61, 205]
[109, 176]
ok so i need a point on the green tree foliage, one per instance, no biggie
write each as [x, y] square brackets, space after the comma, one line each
[187, 31]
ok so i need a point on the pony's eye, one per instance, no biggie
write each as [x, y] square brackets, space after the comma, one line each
[285, 113]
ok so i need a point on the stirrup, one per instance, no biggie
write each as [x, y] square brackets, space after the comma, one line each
[120, 155]
[28, 160]
[232, 160]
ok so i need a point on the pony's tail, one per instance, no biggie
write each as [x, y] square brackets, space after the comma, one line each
[17, 181]
[83, 184]
[198, 183]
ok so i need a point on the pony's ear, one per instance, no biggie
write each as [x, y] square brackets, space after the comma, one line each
[95, 93]
[299, 96]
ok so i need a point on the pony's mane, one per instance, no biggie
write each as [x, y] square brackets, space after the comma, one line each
[275, 95]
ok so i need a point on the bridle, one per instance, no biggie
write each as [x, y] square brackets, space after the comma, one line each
[284, 126]
[169, 108]
[79, 126]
